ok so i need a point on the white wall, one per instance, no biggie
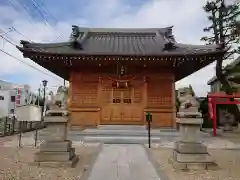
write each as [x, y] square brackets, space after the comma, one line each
[6, 105]
[4, 98]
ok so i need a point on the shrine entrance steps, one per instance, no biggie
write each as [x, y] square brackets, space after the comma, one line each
[119, 134]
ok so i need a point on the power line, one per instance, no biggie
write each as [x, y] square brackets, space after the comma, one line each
[33, 9]
[15, 30]
[7, 39]
[29, 65]
[20, 59]
[5, 33]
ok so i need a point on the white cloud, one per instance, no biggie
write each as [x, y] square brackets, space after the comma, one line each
[187, 17]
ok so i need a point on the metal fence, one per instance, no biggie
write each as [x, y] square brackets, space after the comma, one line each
[10, 126]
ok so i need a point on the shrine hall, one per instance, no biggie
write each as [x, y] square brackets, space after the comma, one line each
[117, 75]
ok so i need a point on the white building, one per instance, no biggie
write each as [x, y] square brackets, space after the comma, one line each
[7, 102]
[4, 85]
[21, 93]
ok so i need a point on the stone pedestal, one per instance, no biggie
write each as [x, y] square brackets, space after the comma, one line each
[56, 151]
[189, 152]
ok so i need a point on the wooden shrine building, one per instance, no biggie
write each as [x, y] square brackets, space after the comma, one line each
[116, 75]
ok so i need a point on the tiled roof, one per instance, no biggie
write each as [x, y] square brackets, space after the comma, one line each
[100, 41]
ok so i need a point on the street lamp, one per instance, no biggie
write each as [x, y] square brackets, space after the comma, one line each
[44, 82]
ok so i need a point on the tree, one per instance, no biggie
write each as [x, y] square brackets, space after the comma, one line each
[224, 32]
[40, 101]
[238, 27]
[191, 90]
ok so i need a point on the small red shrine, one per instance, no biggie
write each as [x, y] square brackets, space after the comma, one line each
[220, 98]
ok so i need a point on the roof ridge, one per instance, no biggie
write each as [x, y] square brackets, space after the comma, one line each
[127, 30]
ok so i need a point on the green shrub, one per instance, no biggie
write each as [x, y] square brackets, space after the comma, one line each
[203, 108]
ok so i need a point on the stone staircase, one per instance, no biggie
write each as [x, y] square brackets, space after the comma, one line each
[119, 134]
[114, 134]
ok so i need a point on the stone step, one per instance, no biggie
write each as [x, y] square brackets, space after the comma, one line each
[116, 139]
[143, 133]
[54, 156]
[117, 132]
[122, 127]
[57, 164]
[120, 140]
[56, 146]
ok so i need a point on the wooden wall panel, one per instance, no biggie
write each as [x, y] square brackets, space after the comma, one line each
[162, 119]
[159, 90]
[84, 119]
[84, 90]
[160, 99]
[91, 101]
[84, 100]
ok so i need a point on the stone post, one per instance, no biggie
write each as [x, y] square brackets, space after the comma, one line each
[56, 151]
[189, 152]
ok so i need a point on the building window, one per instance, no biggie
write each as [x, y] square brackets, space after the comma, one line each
[1, 98]
[127, 101]
[116, 101]
[12, 98]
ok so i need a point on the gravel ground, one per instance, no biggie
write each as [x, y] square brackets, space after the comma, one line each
[16, 164]
[228, 161]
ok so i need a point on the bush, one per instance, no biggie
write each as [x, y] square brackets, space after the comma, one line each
[203, 108]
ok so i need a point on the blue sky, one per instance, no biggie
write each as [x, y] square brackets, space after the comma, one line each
[188, 19]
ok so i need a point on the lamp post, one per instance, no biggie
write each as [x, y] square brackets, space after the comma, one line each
[44, 82]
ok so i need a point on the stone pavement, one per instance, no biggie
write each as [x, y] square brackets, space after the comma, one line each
[165, 141]
[123, 162]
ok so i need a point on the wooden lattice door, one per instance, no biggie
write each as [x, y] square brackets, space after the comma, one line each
[124, 106]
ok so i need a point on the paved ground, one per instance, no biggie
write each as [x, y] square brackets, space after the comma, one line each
[16, 164]
[227, 160]
[123, 162]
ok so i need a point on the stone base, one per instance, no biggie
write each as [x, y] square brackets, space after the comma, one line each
[56, 154]
[193, 166]
[227, 127]
[192, 158]
[189, 147]
[55, 164]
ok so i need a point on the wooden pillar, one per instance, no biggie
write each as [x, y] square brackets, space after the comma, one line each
[173, 104]
[145, 97]
[69, 96]
[99, 99]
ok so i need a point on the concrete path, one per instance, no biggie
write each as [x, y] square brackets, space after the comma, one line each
[123, 162]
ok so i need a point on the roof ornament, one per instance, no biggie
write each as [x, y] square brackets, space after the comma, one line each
[75, 36]
[75, 32]
[168, 34]
[170, 45]
[24, 43]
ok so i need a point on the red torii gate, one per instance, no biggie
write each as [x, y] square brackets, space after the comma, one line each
[219, 98]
